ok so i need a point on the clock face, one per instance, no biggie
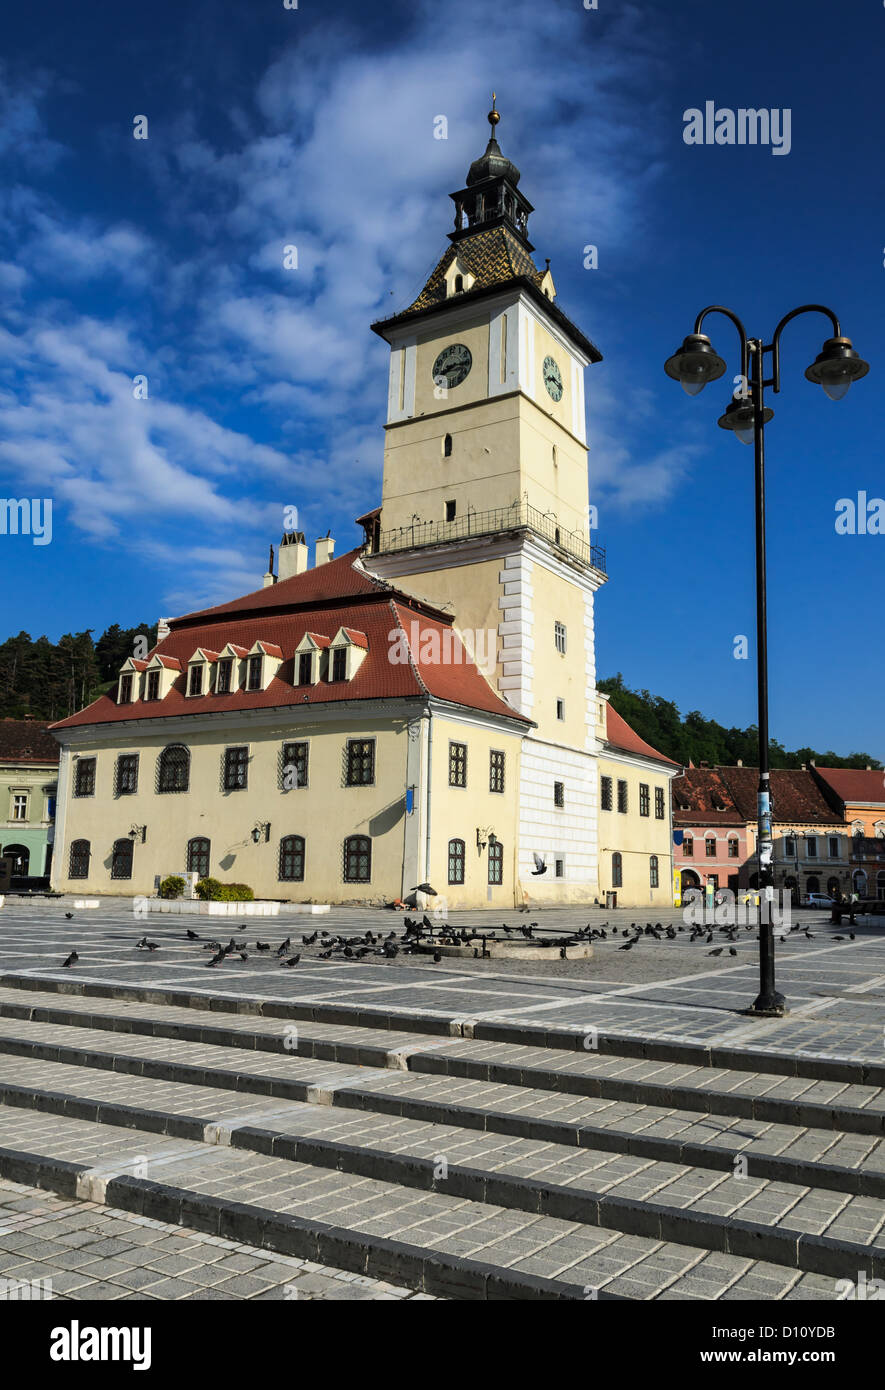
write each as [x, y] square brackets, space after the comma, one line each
[552, 379]
[452, 365]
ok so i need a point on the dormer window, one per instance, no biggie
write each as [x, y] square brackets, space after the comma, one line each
[305, 668]
[349, 649]
[253, 681]
[223, 680]
[339, 664]
[459, 284]
[195, 681]
[125, 695]
[152, 685]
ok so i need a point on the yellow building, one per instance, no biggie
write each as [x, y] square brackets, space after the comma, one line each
[434, 692]
[635, 816]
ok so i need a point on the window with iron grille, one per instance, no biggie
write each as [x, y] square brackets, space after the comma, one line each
[560, 636]
[496, 862]
[605, 793]
[127, 774]
[644, 799]
[305, 668]
[456, 861]
[734, 849]
[84, 777]
[558, 793]
[292, 859]
[152, 686]
[121, 859]
[293, 767]
[79, 862]
[174, 769]
[457, 764]
[357, 859]
[360, 762]
[195, 681]
[496, 771]
[559, 868]
[711, 848]
[223, 678]
[126, 688]
[339, 664]
[688, 847]
[617, 870]
[653, 873]
[622, 797]
[254, 677]
[659, 803]
[198, 856]
[236, 769]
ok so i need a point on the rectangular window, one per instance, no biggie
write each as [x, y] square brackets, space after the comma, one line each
[734, 849]
[559, 637]
[558, 793]
[152, 687]
[20, 806]
[339, 664]
[560, 709]
[236, 769]
[688, 848]
[84, 777]
[790, 847]
[457, 764]
[605, 793]
[834, 846]
[711, 848]
[653, 876]
[360, 762]
[451, 509]
[811, 846]
[358, 859]
[559, 868]
[293, 771]
[622, 797]
[292, 859]
[127, 774]
[456, 861]
[496, 862]
[126, 688]
[617, 871]
[195, 684]
[222, 680]
[659, 803]
[253, 681]
[496, 771]
[305, 668]
[644, 799]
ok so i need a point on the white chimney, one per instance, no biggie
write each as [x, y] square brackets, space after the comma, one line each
[292, 557]
[325, 549]
[163, 629]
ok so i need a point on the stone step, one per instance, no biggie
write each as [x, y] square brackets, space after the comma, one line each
[568, 1037]
[766, 1096]
[805, 1226]
[427, 1240]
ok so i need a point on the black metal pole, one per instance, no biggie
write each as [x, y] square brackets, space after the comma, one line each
[769, 1002]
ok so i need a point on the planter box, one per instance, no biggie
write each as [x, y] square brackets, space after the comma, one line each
[220, 909]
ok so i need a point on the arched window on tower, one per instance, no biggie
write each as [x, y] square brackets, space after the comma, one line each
[447, 447]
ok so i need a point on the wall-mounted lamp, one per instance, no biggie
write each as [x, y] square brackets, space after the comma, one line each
[136, 830]
[484, 836]
[261, 830]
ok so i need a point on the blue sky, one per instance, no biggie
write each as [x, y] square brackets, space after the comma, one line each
[314, 127]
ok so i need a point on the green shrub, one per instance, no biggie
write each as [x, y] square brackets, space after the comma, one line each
[172, 887]
[209, 888]
[237, 893]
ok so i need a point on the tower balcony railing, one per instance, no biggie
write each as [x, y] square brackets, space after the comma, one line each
[519, 516]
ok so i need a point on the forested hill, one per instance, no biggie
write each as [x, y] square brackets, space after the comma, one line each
[693, 738]
[50, 680]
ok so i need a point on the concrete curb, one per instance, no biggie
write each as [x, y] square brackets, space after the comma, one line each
[851, 1071]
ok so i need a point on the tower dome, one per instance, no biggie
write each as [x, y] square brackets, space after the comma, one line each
[493, 164]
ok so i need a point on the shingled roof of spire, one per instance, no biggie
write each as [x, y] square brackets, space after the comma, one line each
[494, 257]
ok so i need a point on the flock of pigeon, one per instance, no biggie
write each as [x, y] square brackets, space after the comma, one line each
[416, 933]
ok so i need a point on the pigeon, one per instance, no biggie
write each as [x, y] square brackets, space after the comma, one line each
[309, 940]
[71, 960]
[717, 952]
[243, 955]
[732, 951]
[628, 944]
[69, 916]
[192, 936]
[293, 960]
[540, 864]
[425, 888]
[809, 934]
[218, 958]
[324, 955]
[262, 945]
[437, 957]
[281, 950]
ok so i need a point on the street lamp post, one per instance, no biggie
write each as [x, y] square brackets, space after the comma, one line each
[834, 368]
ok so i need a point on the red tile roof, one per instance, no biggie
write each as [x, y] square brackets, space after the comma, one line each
[700, 787]
[620, 735]
[27, 741]
[854, 785]
[358, 639]
[795, 796]
[368, 608]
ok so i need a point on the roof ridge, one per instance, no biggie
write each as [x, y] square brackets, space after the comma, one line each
[412, 663]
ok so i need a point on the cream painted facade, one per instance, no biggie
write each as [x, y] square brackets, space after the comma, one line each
[411, 750]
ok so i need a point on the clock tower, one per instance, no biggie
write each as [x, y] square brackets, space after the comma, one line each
[485, 502]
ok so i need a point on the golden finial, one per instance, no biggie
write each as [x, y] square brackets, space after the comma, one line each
[494, 114]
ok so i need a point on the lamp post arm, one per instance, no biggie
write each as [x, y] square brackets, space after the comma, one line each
[720, 309]
[776, 340]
